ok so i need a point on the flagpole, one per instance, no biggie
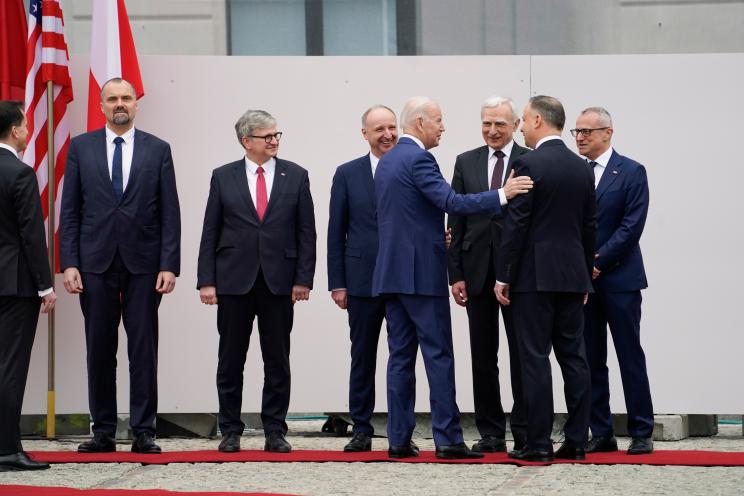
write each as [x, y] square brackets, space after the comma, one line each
[50, 423]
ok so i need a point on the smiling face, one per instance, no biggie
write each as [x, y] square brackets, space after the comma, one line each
[431, 126]
[256, 147]
[380, 131]
[498, 126]
[598, 140]
[119, 105]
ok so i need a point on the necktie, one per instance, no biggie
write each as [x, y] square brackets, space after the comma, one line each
[498, 171]
[262, 198]
[117, 176]
[594, 165]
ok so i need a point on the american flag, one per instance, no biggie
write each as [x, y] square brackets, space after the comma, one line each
[47, 59]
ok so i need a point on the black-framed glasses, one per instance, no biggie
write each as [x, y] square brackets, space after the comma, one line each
[587, 131]
[268, 137]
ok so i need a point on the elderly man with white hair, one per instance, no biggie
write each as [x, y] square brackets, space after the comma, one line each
[411, 268]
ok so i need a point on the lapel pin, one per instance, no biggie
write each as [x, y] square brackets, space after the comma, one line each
[615, 172]
[283, 174]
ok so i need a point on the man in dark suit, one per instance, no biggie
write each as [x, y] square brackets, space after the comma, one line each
[411, 270]
[619, 276]
[256, 259]
[352, 250]
[25, 281]
[120, 242]
[544, 267]
[475, 243]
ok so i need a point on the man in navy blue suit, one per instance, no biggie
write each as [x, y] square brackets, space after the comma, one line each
[352, 250]
[618, 278]
[411, 270]
[120, 242]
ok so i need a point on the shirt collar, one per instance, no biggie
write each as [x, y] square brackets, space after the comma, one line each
[415, 140]
[603, 159]
[507, 149]
[127, 137]
[268, 166]
[9, 148]
[373, 160]
[547, 138]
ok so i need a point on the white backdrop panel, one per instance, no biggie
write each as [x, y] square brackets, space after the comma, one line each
[193, 102]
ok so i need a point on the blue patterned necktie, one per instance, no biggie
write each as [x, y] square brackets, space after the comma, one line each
[117, 176]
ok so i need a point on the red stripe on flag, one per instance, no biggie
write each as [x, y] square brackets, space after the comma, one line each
[129, 64]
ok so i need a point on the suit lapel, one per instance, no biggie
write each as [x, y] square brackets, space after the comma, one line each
[484, 182]
[101, 161]
[241, 181]
[517, 151]
[612, 171]
[368, 180]
[277, 187]
[139, 151]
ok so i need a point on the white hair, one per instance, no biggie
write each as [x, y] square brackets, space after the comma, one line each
[605, 119]
[496, 101]
[414, 108]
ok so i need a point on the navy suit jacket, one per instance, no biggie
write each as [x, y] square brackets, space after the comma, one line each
[622, 206]
[547, 243]
[235, 244]
[144, 227]
[352, 228]
[412, 197]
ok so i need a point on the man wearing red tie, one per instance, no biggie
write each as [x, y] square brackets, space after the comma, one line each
[256, 259]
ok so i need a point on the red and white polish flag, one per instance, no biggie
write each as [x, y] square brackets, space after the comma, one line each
[112, 55]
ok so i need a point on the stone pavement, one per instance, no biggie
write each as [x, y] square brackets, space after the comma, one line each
[394, 478]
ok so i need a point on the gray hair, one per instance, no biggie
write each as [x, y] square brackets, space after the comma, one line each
[118, 80]
[374, 107]
[497, 101]
[550, 109]
[605, 119]
[414, 108]
[252, 120]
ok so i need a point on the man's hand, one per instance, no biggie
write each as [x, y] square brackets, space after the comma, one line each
[586, 298]
[339, 296]
[73, 281]
[448, 238]
[516, 185]
[300, 293]
[208, 295]
[595, 271]
[48, 301]
[166, 282]
[502, 293]
[460, 292]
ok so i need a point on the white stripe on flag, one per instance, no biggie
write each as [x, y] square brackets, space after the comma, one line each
[105, 52]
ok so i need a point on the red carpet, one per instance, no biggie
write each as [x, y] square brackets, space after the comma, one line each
[66, 491]
[673, 457]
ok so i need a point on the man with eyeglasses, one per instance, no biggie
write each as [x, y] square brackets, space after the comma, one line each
[256, 259]
[618, 278]
[475, 243]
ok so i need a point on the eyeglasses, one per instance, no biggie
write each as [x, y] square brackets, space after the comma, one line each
[267, 138]
[586, 132]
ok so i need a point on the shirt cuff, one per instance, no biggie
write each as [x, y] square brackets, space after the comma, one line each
[502, 196]
[338, 289]
[502, 283]
[42, 294]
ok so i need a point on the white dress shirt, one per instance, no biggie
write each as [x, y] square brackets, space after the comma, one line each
[127, 151]
[15, 152]
[547, 138]
[602, 162]
[374, 161]
[492, 158]
[251, 170]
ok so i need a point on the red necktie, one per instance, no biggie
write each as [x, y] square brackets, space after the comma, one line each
[262, 198]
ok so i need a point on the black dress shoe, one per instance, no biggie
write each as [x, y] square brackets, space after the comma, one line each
[276, 443]
[230, 443]
[568, 452]
[409, 451]
[602, 444]
[531, 455]
[456, 451]
[145, 444]
[490, 444]
[20, 461]
[360, 442]
[641, 446]
[519, 443]
[101, 443]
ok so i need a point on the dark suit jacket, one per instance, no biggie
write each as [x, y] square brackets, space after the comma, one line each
[622, 206]
[547, 242]
[412, 197]
[352, 228]
[235, 244]
[24, 263]
[475, 238]
[145, 227]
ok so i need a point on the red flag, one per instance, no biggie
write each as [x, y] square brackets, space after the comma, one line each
[112, 55]
[12, 50]
[47, 60]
